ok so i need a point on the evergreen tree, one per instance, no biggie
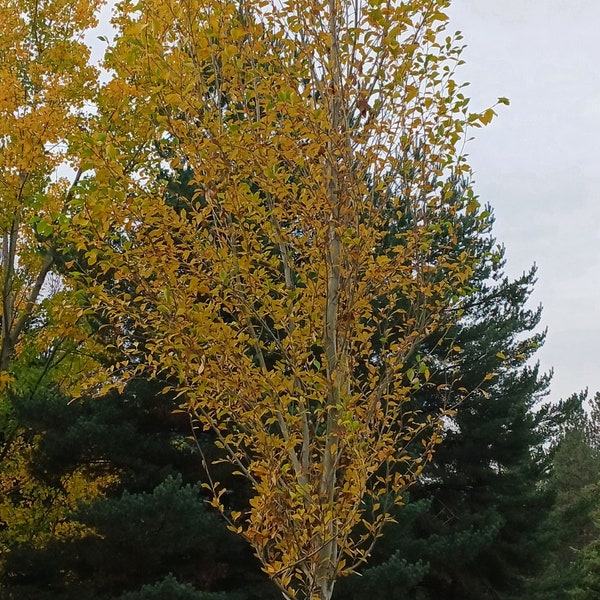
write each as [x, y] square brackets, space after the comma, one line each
[573, 526]
[474, 530]
[152, 532]
[34, 509]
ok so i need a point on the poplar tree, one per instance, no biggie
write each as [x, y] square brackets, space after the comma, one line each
[271, 303]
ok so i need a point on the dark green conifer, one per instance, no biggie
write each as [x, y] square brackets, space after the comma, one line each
[475, 528]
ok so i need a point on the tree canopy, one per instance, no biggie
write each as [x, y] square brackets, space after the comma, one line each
[270, 301]
[270, 214]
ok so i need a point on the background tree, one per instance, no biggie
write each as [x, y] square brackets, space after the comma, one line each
[572, 531]
[458, 523]
[46, 81]
[260, 300]
[474, 527]
[151, 521]
[35, 505]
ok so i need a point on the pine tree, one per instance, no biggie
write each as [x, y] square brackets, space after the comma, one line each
[573, 526]
[474, 531]
[152, 532]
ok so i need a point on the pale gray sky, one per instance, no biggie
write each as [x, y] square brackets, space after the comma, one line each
[538, 164]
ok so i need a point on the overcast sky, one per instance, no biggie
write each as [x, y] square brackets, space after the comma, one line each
[538, 164]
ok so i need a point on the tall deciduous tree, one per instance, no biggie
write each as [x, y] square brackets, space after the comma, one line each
[46, 81]
[45, 84]
[272, 302]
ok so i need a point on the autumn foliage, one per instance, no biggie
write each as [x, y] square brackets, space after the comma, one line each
[282, 294]
[45, 93]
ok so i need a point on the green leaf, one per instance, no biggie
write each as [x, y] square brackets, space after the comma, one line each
[487, 116]
[44, 228]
